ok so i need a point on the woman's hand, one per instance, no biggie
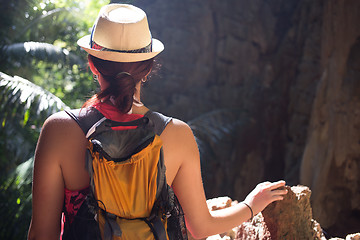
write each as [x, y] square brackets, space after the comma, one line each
[264, 194]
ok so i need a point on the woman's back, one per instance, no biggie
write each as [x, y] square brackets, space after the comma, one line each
[120, 70]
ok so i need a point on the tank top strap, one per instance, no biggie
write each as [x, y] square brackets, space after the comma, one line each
[158, 120]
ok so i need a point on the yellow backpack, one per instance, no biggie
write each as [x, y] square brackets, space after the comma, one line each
[129, 197]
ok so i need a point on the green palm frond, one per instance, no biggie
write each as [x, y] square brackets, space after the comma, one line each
[25, 52]
[20, 97]
[24, 106]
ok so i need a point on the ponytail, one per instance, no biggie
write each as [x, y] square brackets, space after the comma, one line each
[122, 79]
[121, 90]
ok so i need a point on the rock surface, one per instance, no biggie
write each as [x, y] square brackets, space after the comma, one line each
[330, 163]
[292, 218]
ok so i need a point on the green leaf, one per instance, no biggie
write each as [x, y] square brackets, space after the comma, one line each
[24, 107]
[26, 117]
[26, 51]
[21, 92]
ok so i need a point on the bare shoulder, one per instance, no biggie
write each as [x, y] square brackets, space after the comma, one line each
[178, 132]
[179, 147]
[180, 128]
[180, 138]
[61, 123]
[58, 164]
[59, 118]
[60, 135]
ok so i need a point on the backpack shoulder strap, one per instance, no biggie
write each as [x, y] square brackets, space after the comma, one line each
[158, 120]
[85, 118]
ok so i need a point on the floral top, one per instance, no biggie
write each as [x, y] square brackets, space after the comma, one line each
[73, 201]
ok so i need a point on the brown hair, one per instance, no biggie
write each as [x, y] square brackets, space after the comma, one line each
[122, 78]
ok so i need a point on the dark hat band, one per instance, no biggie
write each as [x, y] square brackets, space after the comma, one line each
[145, 49]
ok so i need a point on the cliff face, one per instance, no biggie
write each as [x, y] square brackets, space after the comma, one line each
[330, 164]
[289, 72]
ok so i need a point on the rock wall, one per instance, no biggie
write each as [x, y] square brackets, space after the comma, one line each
[288, 70]
[244, 56]
[330, 164]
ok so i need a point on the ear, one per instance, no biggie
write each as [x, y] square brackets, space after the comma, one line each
[92, 66]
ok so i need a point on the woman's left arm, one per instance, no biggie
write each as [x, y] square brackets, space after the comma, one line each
[57, 142]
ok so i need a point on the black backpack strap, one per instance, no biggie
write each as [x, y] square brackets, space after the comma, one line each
[85, 117]
[156, 226]
[166, 199]
[158, 121]
[111, 227]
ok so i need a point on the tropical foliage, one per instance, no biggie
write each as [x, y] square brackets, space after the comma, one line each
[23, 108]
[37, 42]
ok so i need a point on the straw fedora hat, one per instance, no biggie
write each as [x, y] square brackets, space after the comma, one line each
[121, 34]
